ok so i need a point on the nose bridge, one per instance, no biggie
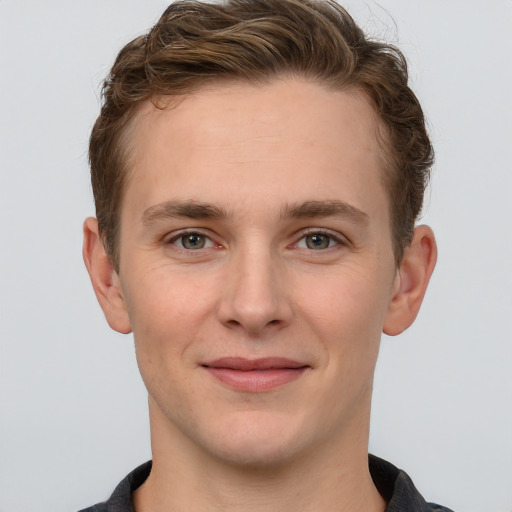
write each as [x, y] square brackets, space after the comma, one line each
[254, 296]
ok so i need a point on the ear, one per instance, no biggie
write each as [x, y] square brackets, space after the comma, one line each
[411, 281]
[104, 278]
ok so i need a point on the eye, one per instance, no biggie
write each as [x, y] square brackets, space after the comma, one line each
[192, 241]
[318, 241]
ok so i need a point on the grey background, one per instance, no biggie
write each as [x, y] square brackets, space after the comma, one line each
[73, 409]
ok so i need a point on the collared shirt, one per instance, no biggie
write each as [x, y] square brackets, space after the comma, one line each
[393, 484]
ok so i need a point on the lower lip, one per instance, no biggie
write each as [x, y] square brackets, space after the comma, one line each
[255, 381]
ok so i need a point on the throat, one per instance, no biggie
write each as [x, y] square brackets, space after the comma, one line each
[239, 489]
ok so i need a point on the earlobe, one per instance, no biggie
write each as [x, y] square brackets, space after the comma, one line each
[104, 279]
[411, 282]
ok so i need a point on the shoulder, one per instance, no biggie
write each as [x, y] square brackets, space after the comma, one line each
[100, 507]
[398, 490]
[121, 499]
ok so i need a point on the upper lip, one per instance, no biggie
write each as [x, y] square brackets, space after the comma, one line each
[245, 365]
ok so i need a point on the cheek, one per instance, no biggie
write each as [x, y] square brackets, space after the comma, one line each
[348, 302]
[165, 300]
[346, 312]
[167, 313]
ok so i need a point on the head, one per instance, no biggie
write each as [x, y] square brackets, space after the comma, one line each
[258, 167]
[196, 44]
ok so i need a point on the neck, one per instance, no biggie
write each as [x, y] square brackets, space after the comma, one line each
[331, 477]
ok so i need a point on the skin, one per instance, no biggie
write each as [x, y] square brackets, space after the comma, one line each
[258, 176]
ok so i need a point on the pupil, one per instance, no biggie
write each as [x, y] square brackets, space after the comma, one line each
[317, 242]
[193, 241]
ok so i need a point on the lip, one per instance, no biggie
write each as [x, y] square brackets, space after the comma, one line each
[255, 375]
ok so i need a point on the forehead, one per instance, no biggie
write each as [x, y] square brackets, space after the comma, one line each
[292, 138]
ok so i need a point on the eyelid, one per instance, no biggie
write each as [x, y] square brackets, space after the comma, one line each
[170, 238]
[334, 235]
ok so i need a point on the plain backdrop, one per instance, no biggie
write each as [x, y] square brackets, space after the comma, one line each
[73, 408]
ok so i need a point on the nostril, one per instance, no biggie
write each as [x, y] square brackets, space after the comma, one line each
[236, 323]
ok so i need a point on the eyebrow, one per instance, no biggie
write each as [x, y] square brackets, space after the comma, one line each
[188, 209]
[319, 209]
[306, 209]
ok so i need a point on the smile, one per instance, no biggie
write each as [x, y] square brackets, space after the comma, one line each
[255, 375]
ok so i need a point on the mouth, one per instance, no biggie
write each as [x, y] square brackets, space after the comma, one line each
[255, 375]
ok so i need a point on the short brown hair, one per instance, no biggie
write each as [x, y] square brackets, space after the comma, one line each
[197, 43]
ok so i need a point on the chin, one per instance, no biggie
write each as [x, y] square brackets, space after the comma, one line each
[257, 440]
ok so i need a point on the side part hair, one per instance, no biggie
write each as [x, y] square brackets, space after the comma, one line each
[198, 43]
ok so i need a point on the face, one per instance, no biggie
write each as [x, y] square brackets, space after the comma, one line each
[256, 267]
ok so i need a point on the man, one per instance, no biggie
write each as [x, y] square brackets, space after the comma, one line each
[258, 167]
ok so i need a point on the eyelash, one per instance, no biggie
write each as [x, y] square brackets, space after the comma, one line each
[189, 233]
[335, 238]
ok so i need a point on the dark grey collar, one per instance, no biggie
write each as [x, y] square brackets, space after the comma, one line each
[394, 485]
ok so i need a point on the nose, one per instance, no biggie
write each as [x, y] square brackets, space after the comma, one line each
[255, 298]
